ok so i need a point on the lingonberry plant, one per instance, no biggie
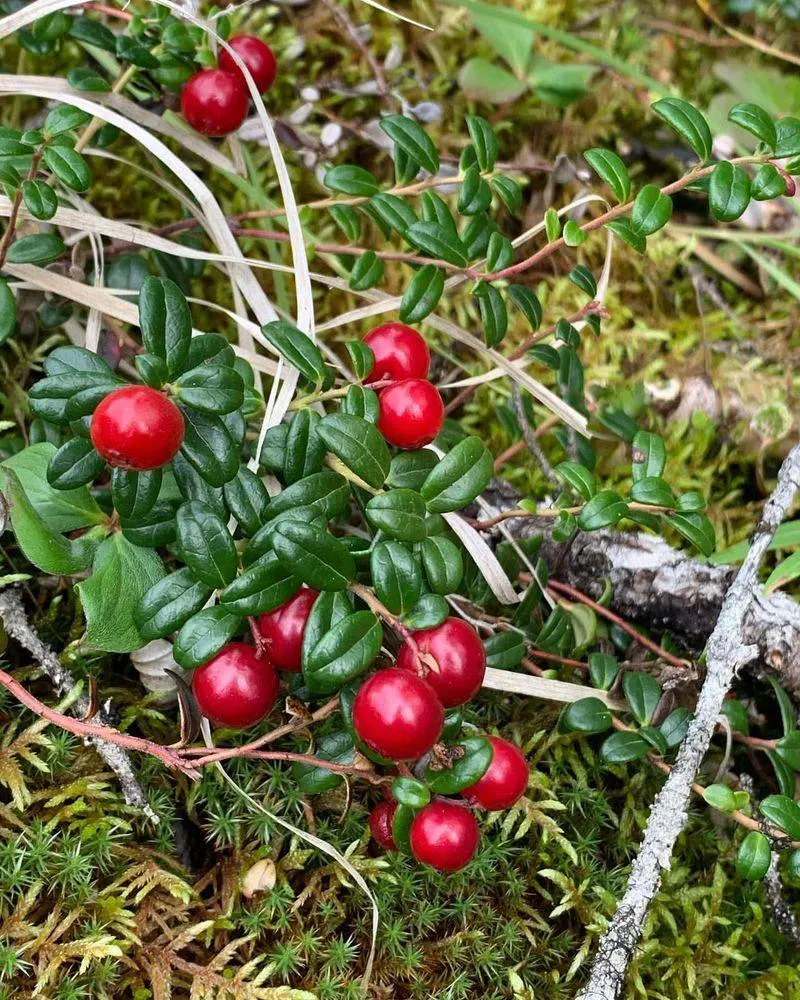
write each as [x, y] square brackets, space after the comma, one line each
[339, 553]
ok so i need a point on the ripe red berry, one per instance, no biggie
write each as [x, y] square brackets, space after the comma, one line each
[460, 664]
[214, 102]
[257, 56]
[397, 714]
[505, 780]
[137, 428]
[235, 688]
[283, 629]
[380, 825]
[399, 352]
[444, 836]
[411, 413]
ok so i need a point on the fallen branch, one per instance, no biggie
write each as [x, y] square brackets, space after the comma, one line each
[727, 652]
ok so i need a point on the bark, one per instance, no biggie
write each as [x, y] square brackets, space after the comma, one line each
[727, 651]
[664, 588]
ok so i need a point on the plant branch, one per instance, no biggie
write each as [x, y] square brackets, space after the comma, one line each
[8, 235]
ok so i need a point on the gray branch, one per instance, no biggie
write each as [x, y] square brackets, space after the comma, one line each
[16, 624]
[727, 651]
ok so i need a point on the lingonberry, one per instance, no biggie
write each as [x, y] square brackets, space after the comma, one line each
[399, 352]
[444, 836]
[505, 780]
[137, 428]
[236, 687]
[257, 56]
[459, 660]
[283, 628]
[380, 825]
[411, 413]
[397, 714]
[214, 102]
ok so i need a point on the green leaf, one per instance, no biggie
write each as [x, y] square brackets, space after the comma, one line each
[552, 225]
[346, 650]
[754, 857]
[348, 220]
[602, 511]
[86, 80]
[361, 402]
[783, 773]
[304, 453]
[481, 80]
[528, 304]
[326, 493]
[788, 137]
[338, 748]
[264, 586]
[68, 166]
[410, 792]
[203, 636]
[206, 544]
[651, 210]
[328, 609]
[169, 603]
[435, 209]
[785, 705]
[64, 118]
[121, 576]
[504, 650]
[728, 191]
[655, 738]
[41, 248]
[603, 670]
[89, 32]
[297, 348]
[393, 212]
[783, 812]
[484, 141]
[477, 234]
[422, 295]
[8, 311]
[675, 727]
[768, 183]
[396, 577]
[736, 714]
[435, 241]
[129, 50]
[465, 771]
[155, 528]
[649, 456]
[589, 715]
[401, 828]
[546, 354]
[40, 199]
[691, 502]
[689, 124]
[697, 529]
[352, 180]
[367, 272]
[50, 551]
[623, 229]
[443, 563]
[166, 325]
[413, 139]
[508, 191]
[719, 796]
[61, 510]
[406, 167]
[193, 487]
[643, 694]
[787, 570]
[358, 444]
[314, 556]
[429, 611]
[459, 477]
[247, 499]
[756, 121]
[410, 469]
[610, 168]
[361, 358]
[499, 253]
[211, 389]
[474, 195]
[653, 490]
[208, 447]
[788, 749]
[75, 464]
[400, 514]
[134, 493]
[623, 746]
[581, 276]
[205, 348]
[574, 236]
[494, 315]
[578, 477]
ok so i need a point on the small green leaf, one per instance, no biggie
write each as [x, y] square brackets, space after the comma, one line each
[155, 528]
[508, 191]
[400, 514]
[169, 603]
[325, 492]
[401, 828]
[208, 446]
[40, 248]
[40, 199]
[358, 444]
[465, 771]
[413, 139]
[603, 670]
[589, 715]
[499, 253]
[623, 746]
[410, 469]
[675, 727]
[304, 453]
[367, 272]
[578, 477]
[68, 166]
[203, 636]
[484, 141]
[574, 236]
[494, 315]
[211, 389]
[788, 749]
[689, 124]
[768, 183]
[504, 650]
[338, 748]
[459, 477]
[361, 402]
[552, 225]
[297, 348]
[410, 792]
[435, 241]
[429, 611]
[474, 195]
[423, 294]
[728, 191]
[396, 577]
[653, 490]
[247, 499]
[90, 32]
[651, 210]
[8, 311]
[783, 812]
[788, 137]
[134, 493]
[206, 544]
[86, 80]
[526, 300]
[361, 358]
[697, 529]
[482, 80]
[314, 556]
[76, 463]
[264, 586]
[720, 797]
[352, 180]
[392, 211]
[581, 276]
[343, 653]
[602, 511]
[166, 322]
[643, 694]
[649, 456]
[623, 229]
[754, 857]
[443, 563]
[756, 121]
[348, 220]
[610, 168]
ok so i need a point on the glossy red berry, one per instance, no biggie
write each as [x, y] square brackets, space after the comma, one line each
[137, 428]
[411, 413]
[214, 102]
[235, 688]
[257, 56]
[380, 825]
[283, 628]
[399, 352]
[460, 660]
[444, 836]
[505, 780]
[397, 714]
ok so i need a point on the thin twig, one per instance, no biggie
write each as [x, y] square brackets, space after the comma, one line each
[529, 434]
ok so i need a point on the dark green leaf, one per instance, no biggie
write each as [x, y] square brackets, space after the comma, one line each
[297, 348]
[85, 79]
[326, 492]
[768, 183]
[436, 209]
[484, 141]
[351, 180]
[504, 650]
[494, 315]
[398, 513]
[788, 133]
[429, 611]
[264, 586]
[169, 603]
[465, 771]
[413, 139]
[166, 324]
[348, 220]
[40, 199]
[367, 272]
[783, 812]
[68, 166]
[206, 544]
[401, 828]
[131, 51]
[211, 389]
[610, 168]
[602, 511]
[8, 311]
[785, 705]
[443, 563]
[589, 715]
[207, 348]
[155, 528]
[788, 749]
[462, 475]
[643, 693]
[499, 253]
[343, 652]
[203, 636]
[358, 444]
[649, 456]
[736, 714]
[89, 32]
[754, 857]
[437, 242]
[756, 121]
[603, 670]
[655, 738]
[623, 229]
[728, 191]
[584, 279]
[193, 487]
[410, 792]
[134, 493]
[689, 124]
[578, 477]
[393, 212]
[314, 556]
[361, 358]
[508, 191]
[396, 577]
[697, 529]
[651, 210]
[247, 499]
[410, 469]
[76, 463]
[422, 295]
[653, 490]
[623, 746]
[304, 452]
[675, 727]
[784, 775]
[477, 234]
[361, 402]
[474, 195]
[208, 446]
[528, 303]
[40, 248]
[338, 748]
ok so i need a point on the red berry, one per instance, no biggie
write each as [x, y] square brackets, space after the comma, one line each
[137, 428]
[397, 714]
[257, 56]
[411, 413]
[505, 780]
[460, 664]
[399, 352]
[444, 836]
[214, 102]
[235, 688]
[283, 629]
[380, 825]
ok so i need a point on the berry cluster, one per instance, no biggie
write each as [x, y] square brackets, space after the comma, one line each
[215, 101]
